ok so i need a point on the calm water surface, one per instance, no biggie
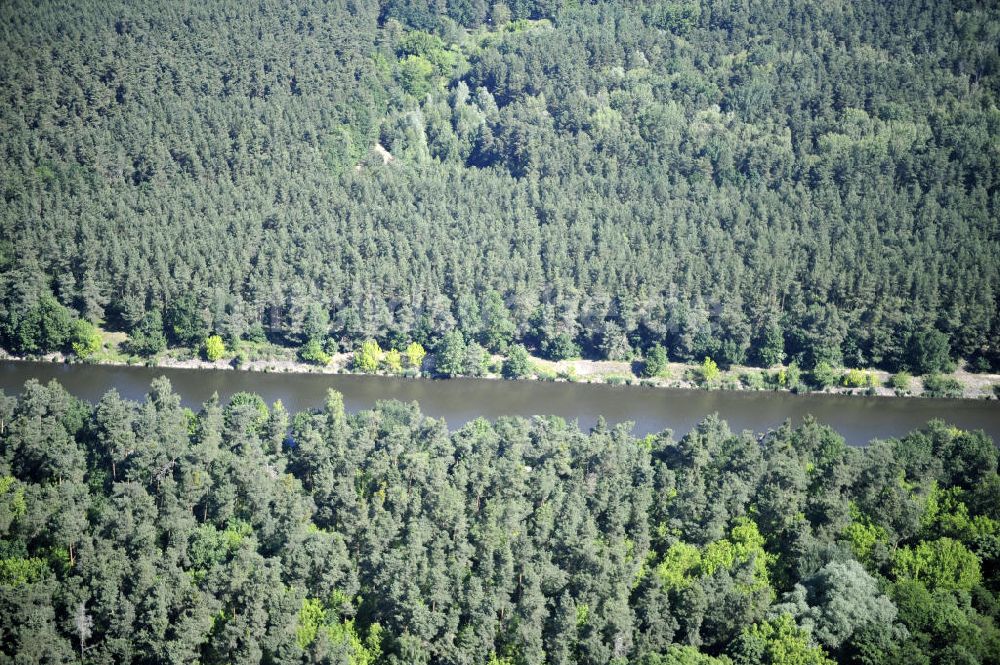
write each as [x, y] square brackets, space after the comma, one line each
[858, 419]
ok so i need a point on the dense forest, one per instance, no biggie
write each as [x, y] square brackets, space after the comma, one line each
[146, 533]
[756, 182]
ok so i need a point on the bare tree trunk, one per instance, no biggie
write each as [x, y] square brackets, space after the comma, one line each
[84, 623]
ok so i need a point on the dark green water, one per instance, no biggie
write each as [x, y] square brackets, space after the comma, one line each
[858, 419]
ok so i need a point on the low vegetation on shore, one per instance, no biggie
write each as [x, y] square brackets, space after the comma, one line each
[454, 358]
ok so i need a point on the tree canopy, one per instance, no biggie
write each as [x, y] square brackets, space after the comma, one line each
[136, 532]
[751, 183]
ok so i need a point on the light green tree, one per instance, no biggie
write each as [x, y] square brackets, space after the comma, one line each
[900, 382]
[855, 378]
[393, 361]
[312, 352]
[793, 377]
[777, 642]
[85, 340]
[215, 348]
[745, 545]
[416, 74]
[415, 355]
[940, 564]
[311, 617]
[679, 566]
[862, 535]
[314, 618]
[709, 370]
[823, 375]
[368, 357]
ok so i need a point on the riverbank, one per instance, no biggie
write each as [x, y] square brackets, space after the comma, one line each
[275, 359]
